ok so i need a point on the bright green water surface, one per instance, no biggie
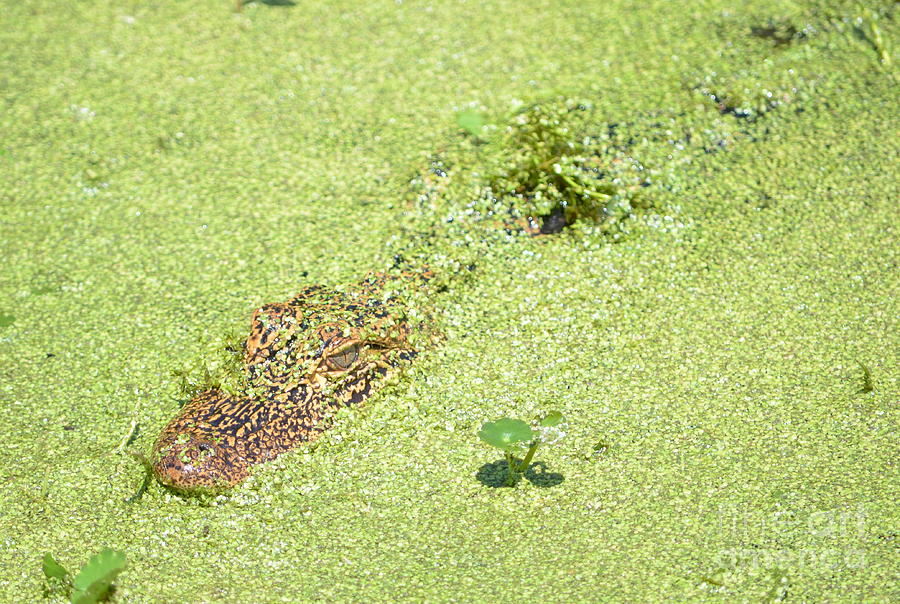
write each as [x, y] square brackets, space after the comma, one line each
[166, 167]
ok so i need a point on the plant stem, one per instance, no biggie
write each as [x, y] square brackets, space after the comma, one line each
[578, 188]
[529, 456]
[511, 471]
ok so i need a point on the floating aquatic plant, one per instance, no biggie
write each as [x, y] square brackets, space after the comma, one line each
[93, 582]
[470, 121]
[514, 436]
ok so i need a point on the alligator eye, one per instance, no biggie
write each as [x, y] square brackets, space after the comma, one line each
[346, 357]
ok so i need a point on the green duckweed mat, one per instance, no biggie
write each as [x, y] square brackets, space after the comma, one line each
[167, 167]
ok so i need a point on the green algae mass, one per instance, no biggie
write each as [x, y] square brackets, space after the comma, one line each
[169, 167]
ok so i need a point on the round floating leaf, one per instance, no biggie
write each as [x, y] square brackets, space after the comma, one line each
[504, 433]
[554, 418]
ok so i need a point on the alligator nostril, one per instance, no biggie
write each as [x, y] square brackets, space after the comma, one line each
[192, 465]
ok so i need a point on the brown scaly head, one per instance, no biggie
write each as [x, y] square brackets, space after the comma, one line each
[304, 359]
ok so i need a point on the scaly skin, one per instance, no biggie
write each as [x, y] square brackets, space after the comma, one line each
[304, 359]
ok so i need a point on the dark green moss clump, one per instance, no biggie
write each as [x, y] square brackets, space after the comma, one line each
[547, 165]
[553, 170]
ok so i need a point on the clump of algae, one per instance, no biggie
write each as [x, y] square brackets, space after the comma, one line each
[546, 166]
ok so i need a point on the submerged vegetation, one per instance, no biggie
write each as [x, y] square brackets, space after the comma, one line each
[538, 169]
[553, 170]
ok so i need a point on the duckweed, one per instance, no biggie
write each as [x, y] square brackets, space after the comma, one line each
[712, 345]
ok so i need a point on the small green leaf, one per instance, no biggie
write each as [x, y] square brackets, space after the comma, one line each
[554, 418]
[868, 382]
[505, 432]
[471, 121]
[6, 320]
[53, 569]
[96, 577]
